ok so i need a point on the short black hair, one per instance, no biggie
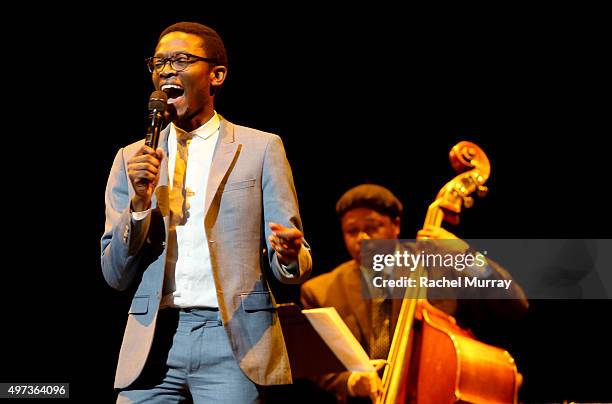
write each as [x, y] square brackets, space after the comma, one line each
[370, 196]
[214, 47]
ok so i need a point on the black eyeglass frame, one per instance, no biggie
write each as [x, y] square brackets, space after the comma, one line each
[174, 58]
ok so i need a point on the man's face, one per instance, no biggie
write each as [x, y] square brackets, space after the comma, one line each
[188, 90]
[364, 224]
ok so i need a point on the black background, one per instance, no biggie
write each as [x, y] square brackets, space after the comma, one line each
[357, 95]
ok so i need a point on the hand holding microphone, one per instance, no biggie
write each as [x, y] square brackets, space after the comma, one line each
[143, 167]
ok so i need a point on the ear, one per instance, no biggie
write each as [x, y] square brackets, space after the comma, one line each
[217, 75]
[396, 226]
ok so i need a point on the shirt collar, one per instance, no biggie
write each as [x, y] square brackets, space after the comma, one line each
[204, 132]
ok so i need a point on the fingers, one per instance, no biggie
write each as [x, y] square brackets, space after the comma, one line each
[274, 226]
[146, 150]
[147, 154]
[378, 363]
[428, 232]
[285, 232]
[143, 171]
[284, 247]
[285, 240]
[436, 233]
[144, 165]
[365, 384]
[375, 387]
[433, 238]
[374, 395]
[139, 172]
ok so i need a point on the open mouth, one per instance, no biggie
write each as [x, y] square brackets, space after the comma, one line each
[174, 92]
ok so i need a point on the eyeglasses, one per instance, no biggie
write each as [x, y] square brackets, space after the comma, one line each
[178, 62]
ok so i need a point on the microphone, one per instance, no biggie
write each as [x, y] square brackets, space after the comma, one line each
[157, 106]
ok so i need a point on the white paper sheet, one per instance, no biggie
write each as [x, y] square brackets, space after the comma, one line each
[336, 334]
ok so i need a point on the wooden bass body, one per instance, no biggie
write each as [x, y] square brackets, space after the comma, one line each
[449, 366]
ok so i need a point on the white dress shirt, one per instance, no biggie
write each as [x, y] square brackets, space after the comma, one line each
[188, 280]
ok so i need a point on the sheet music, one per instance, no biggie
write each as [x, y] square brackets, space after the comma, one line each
[336, 334]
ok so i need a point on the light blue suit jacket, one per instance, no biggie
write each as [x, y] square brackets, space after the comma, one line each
[250, 184]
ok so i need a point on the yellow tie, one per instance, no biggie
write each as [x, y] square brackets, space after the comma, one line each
[178, 205]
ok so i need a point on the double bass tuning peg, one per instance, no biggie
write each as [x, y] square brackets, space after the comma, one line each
[482, 191]
[468, 201]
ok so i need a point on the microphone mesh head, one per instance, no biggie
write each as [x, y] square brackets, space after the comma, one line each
[158, 100]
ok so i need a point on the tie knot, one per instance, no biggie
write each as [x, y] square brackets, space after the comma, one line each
[183, 137]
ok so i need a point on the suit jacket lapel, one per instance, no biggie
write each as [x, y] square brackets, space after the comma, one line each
[224, 154]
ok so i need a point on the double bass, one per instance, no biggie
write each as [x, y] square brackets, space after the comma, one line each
[431, 358]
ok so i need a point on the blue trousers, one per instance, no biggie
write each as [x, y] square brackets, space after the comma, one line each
[191, 361]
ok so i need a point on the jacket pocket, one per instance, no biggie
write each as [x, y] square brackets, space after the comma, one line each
[140, 305]
[239, 185]
[256, 301]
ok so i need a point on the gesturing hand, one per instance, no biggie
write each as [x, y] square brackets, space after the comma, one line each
[286, 241]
